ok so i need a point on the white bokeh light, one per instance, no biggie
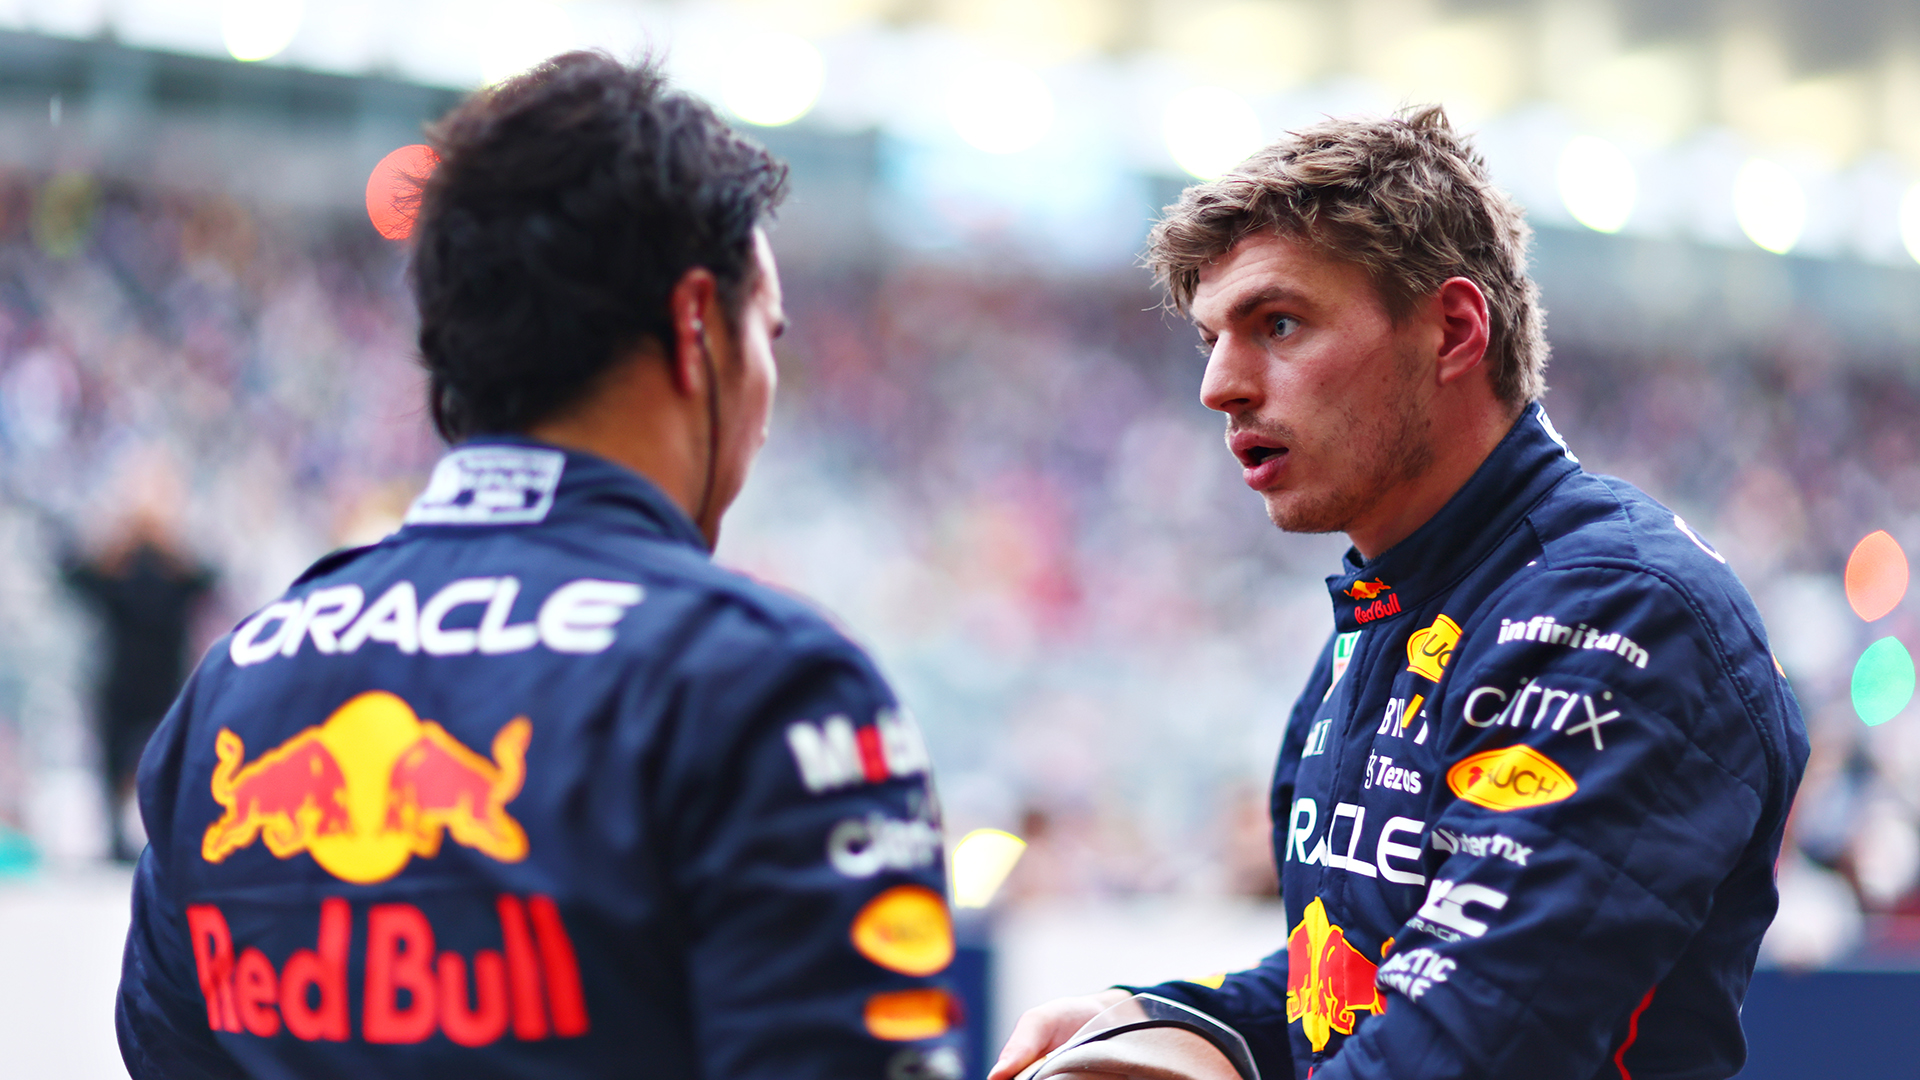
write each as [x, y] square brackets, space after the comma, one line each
[1209, 129]
[1597, 183]
[1770, 205]
[981, 862]
[259, 29]
[1910, 221]
[772, 79]
[520, 34]
[1001, 108]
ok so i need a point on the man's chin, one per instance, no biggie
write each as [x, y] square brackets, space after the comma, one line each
[1293, 513]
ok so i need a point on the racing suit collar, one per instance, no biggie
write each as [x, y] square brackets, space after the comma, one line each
[588, 487]
[1526, 464]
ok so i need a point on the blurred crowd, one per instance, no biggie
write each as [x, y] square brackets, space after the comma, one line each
[999, 478]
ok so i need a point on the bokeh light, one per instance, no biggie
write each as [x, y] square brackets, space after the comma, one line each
[981, 862]
[1876, 576]
[1597, 183]
[259, 29]
[1209, 130]
[1910, 221]
[1770, 205]
[393, 189]
[1882, 681]
[772, 79]
[1001, 108]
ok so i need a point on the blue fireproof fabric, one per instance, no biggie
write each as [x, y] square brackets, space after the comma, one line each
[1527, 809]
[672, 823]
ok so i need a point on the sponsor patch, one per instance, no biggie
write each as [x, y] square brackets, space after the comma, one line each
[1212, 982]
[367, 790]
[1379, 609]
[1343, 649]
[1399, 715]
[1328, 980]
[1510, 778]
[489, 485]
[833, 754]
[911, 1015]
[1382, 772]
[1445, 916]
[1428, 650]
[863, 847]
[1414, 972]
[1367, 590]
[579, 617]
[1317, 737]
[905, 929]
[1545, 630]
[1490, 706]
[1496, 845]
[530, 985]
[913, 1063]
[1303, 823]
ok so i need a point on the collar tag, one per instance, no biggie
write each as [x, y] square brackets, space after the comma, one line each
[490, 485]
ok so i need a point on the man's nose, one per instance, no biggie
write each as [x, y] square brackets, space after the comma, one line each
[1231, 383]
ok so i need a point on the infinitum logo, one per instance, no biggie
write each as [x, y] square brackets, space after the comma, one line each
[1543, 629]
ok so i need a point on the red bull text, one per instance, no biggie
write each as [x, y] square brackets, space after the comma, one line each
[1328, 980]
[530, 985]
[367, 790]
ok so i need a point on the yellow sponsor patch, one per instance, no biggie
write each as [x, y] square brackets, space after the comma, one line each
[905, 929]
[910, 1015]
[1510, 778]
[1429, 650]
[1212, 982]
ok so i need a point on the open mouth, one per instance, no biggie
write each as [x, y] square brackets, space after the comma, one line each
[1258, 455]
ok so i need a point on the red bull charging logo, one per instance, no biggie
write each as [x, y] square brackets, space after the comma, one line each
[367, 790]
[1328, 980]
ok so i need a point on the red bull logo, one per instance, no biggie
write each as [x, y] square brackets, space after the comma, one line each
[367, 790]
[530, 985]
[1367, 590]
[1328, 980]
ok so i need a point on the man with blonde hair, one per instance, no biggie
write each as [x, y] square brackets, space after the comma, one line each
[1527, 807]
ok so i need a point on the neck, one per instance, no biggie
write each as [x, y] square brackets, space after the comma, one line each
[636, 417]
[1461, 440]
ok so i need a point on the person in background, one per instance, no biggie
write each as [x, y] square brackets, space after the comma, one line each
[1527, 808]
[146, 591]
[530, 788]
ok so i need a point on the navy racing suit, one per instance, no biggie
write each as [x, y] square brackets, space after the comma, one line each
[1528, 807]
[533, 789]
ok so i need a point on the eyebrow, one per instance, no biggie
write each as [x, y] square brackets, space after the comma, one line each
[1254, 301]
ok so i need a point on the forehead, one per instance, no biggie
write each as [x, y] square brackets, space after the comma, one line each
[1270, 266]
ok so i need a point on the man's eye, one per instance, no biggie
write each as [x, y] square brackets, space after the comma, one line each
[1284, 325]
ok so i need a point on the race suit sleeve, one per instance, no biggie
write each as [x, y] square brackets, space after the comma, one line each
[160, 1013]
[805, 852]
[1603, 777]
[1254, 1002]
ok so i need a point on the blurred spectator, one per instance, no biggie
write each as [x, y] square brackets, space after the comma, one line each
[145, 589]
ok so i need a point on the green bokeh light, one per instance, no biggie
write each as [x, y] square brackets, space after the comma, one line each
[1882, 681]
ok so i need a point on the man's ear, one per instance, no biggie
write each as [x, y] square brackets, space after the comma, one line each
[694, 306]
[1466, 326]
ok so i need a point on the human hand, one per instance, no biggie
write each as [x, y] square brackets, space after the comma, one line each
[1044, 1027]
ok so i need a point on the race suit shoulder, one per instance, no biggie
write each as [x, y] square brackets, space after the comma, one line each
[531, 788]
[1527, 811]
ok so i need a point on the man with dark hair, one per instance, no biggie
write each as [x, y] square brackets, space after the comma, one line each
[531, 788]
[1527, 808]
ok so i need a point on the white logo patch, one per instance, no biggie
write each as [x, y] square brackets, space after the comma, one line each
[1444, 915]
[490, 485]
[1414, 972]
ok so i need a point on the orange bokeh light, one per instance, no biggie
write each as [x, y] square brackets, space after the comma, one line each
[393, 191]
[1876, 576]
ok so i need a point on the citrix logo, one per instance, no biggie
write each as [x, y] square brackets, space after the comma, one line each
[1490, 706]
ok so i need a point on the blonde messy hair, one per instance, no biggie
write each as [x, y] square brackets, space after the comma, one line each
[1405, 198]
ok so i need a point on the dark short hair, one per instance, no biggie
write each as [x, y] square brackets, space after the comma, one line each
[567, 204]
[1404, 197]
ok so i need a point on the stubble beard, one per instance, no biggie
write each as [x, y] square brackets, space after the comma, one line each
[1392, 443]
